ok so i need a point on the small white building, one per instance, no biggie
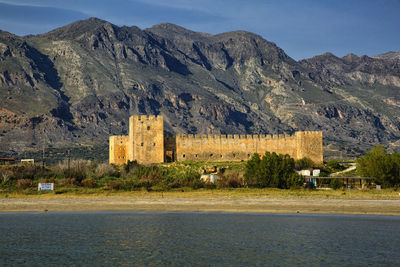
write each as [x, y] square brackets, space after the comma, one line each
[209, 178]
[316, 172]
[304, 172]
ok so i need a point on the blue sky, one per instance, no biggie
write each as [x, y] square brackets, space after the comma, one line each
[303, 28]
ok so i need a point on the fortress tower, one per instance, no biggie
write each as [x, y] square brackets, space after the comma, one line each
[309, 144]
[146, 139]
[147, 144]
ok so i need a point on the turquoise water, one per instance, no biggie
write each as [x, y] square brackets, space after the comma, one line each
[197, 239]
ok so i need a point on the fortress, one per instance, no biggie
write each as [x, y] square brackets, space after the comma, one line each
[147, 143]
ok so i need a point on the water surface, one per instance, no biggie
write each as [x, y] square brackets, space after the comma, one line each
[197, 239]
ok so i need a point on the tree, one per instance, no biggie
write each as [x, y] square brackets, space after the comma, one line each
[252, 171]
[379, 165]
[334, 164]
[272, 170]
[304, 163]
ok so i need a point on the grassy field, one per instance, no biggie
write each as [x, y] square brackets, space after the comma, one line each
[230, 193]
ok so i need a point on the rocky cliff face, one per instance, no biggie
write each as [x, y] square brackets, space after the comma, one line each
[78, 84]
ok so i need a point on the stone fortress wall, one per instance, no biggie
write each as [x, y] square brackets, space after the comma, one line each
[118, 149]
[147, 144]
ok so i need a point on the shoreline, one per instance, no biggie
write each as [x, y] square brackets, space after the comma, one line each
[159, 203]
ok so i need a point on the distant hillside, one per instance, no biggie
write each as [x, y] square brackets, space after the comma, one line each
[78, 84]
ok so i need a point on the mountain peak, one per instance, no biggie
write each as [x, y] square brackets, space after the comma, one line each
[169, 26]
[389, 55]
[350, 58]
[328, 55]
[170, 30]
[77, 28]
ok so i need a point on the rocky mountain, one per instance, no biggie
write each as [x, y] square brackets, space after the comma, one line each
[389, 55]
[76, 85]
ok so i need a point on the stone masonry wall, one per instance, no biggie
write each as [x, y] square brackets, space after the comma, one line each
[309, 144]
[118, 149]
[146, 139]
[232, 147]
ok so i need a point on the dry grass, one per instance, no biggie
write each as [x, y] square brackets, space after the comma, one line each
[230, 193]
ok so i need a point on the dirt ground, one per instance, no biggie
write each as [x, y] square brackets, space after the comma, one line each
[215, 204]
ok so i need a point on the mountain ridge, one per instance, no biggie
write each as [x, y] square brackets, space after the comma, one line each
[78, 84]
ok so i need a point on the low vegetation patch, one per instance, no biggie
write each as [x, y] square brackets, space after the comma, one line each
[384, 167]
[269, 171]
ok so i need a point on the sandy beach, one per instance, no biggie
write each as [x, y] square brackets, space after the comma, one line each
[159, 202]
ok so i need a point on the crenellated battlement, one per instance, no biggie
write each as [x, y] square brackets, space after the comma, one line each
[309, 133]
[149, 118]
[241, 136]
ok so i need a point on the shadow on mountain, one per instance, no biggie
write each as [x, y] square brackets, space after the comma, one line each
[46, 66]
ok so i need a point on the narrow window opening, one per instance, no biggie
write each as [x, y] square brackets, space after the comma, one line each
[141, 144]
[148, 127]
[154, 144]
[183, 155]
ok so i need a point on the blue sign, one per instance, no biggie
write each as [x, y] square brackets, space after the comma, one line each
[46, 187]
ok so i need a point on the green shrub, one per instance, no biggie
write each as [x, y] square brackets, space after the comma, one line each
[30, 172]
[335, 165]
[196, 184]
[89, 183]
[336, 184]
[106, 170]
[232, 180]
[24, 183]
[131, 165]
[5, 176]
[384, 168]
[303, 163]
[174, 184]
[294, 181]
[209, 185]
[69, 181]
[253, 172]
[272, 170]
[115, 185]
